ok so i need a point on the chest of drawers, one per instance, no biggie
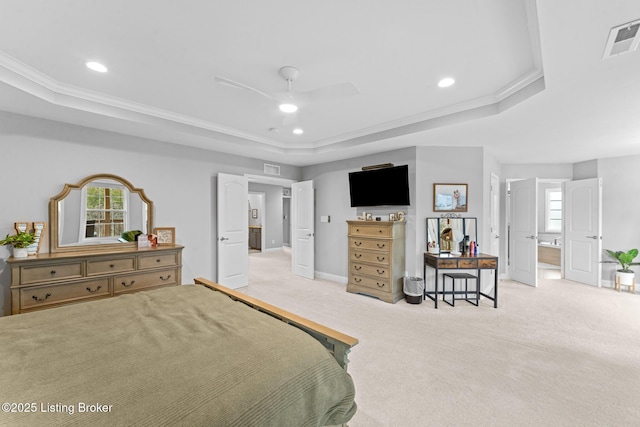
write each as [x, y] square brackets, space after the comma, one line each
[50, 280]
[377, 259]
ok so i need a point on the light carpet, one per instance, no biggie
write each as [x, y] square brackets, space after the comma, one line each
[561, 354]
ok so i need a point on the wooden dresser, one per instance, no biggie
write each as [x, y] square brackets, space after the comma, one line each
[377, 259]
[49, 280]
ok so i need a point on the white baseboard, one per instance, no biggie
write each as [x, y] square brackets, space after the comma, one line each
[332, 277]
[274, 249]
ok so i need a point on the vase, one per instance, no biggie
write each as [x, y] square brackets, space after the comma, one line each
[20, 252]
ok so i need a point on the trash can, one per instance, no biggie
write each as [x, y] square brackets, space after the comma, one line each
[413, 288]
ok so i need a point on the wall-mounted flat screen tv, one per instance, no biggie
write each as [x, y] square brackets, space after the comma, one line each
[380, 187]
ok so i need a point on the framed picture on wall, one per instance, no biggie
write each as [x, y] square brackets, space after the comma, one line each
[449, 197]
[166, 235]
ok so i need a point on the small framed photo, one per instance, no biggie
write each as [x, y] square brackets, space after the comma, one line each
[369, 217]
[166, 235]
[392, 217]
[449, 197]
[254, 213]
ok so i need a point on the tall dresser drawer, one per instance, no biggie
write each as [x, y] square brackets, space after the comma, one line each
[115, 265]
[382, 285]
[380, 271]
[160, 260]
[369, 230]
[50, 272]
[134, 282]
[372, 257]
[371, 244]
[41, 296]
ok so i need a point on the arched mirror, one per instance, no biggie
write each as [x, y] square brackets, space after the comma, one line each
[93, 214]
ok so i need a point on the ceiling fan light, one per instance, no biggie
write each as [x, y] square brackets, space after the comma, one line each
[446, 82]
[298, 131]
[288, 108]
[96, 66]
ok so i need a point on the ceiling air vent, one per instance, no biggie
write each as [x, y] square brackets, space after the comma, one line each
[271, 169]
[623, 38]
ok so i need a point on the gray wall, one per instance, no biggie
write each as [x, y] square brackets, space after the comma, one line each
[331, 184]
[181, 181]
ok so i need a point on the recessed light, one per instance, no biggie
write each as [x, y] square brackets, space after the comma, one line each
[446, 82]
[96, 66]
[298, 131]
[288, 108]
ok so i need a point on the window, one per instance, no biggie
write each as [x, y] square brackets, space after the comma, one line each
[553, 210]
[105, 211]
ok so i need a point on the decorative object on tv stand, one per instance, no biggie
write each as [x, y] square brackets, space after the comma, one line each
[625, 276]
[450, 197]
[20, 242]
[166, 235]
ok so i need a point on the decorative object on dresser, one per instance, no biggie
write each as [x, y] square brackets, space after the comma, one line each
[20, 243]
[449, 197]
[377, 259]
[166, 235]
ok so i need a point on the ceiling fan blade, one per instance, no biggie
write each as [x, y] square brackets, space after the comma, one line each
[339, 90]
[228, 82]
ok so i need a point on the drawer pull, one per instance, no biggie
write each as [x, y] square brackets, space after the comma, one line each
[379, 272]
[94, 290]
[355, 279]
[358, 230]
[111, 265]
[125, 283]
[380, 259]
[357, 243]
[357, 267]
[53, 272]
[165, 278]
[41, 299]
[380, 245]
[157, 260]
[380, 285]
[379, 231]
[357, 255]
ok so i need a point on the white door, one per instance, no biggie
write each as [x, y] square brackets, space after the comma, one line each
[302, 225]
[523, 236]
[583, 231]
[494, 226]
[233, 231]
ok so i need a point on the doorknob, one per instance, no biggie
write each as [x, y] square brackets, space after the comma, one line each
[309, 234]
[531, 237]
[496, 237]
[222, 239]
[593, 237]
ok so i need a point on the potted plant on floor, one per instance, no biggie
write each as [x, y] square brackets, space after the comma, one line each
[20, 242]
[624, 276]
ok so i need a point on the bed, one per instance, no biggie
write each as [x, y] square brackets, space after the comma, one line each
[183, 355]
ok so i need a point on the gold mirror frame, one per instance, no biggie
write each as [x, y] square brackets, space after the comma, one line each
[54, 246]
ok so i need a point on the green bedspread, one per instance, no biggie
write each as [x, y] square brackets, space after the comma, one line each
[182, 355]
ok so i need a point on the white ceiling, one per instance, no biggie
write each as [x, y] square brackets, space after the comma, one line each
[531, 84]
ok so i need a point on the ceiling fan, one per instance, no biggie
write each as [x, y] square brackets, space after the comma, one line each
[289, 101]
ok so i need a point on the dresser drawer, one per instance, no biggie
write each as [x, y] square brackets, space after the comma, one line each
[468, 263]
[133, 282]
[369, 229]
[488, 263]
[380, 258]
[42, 296]
[382, 285]
[371, 244]
[159, 260]
[50, 272]
[370, 270]
[114, 265]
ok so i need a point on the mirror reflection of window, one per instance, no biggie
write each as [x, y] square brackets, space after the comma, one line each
[553, 211]
[105, 210]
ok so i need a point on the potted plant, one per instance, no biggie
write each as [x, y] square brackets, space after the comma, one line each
[624, 276]
[20, 242]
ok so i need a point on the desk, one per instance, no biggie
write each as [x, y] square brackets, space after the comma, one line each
[462, 262]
